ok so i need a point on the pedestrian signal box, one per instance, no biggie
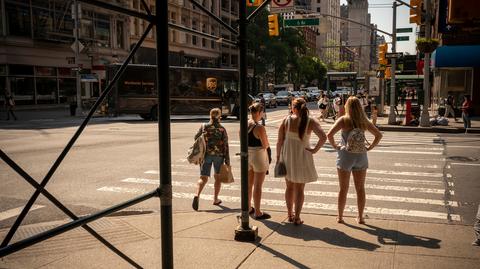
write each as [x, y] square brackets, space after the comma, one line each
[273, 29]
[382, 54]
[254, 3]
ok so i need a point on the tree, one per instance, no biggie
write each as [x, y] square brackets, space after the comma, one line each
[312, 70]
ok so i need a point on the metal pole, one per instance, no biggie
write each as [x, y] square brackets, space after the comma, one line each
[78, 110]
[425, 117]
[392, 119]
[243, 232]
[163, 96]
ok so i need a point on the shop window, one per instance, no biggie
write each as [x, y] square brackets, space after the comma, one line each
[45, 71]
[3, 88]
[46, 90]
[18, 17]
[3, 69]
[17, 69]
[22, 90]
[120, 35]
[65, 72]
[67, 89]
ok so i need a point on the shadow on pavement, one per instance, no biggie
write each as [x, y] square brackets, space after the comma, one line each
[327, 235]
[284, 257]
[394, 237]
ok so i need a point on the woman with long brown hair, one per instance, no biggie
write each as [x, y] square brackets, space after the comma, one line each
[293, 146]
[352, 153]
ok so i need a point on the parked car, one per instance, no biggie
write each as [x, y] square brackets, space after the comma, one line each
[283, 97]
[313, 95]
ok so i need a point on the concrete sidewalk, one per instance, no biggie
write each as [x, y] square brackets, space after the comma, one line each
[205, 240]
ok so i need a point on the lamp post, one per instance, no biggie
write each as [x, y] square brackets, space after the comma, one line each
[392, 119]
[78, 87]
[425, 117]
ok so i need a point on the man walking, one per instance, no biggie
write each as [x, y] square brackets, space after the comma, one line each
[9, 105]
[449, 107]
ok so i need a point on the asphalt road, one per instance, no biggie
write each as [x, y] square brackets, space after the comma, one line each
[424, 177]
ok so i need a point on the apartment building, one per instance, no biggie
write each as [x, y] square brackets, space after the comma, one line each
[359, 37]
[328, 39]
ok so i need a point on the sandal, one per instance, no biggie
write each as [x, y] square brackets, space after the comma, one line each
[339, 220]
[217, 202]
[263, 216]
[291, 218]
[297, 221]
[195, 203]
[360, 220]
[252, 210]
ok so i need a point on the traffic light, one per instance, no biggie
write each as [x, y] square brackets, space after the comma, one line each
[382, 53]
[416, 11]
[254, 3]
[273, 29]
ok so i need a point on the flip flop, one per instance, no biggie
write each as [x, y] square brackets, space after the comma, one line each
[252, 210]
[340, 220]
[360, 221]
[263, 216]
[291, 218]
[218, 203]
[297, 221]
[195, 203]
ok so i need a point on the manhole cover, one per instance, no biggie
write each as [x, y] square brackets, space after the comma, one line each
[462, 159]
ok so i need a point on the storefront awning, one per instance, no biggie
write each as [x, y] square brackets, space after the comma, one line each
[456, 56]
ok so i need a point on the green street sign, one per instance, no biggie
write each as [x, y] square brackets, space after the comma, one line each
[403, 38]
[404, 30]
[302, 22]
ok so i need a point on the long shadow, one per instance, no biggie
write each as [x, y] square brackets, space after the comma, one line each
[327, 235]
[395, 237]
[284, 257]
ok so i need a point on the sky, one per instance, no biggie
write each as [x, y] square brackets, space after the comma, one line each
[381, 14]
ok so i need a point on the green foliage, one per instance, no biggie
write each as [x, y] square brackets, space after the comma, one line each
[342, 66]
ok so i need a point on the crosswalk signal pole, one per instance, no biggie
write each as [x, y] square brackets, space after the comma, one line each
[392, 119]
[425, 117]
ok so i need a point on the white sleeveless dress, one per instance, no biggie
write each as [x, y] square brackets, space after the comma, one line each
[298, 160]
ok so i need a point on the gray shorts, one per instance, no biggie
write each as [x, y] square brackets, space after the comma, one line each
[351, 161]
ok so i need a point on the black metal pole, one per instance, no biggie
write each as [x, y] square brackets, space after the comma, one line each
[163, 93]
[242, 45]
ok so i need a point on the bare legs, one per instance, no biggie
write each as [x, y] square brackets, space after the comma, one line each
[203, 181]
[255, 183]
[294, 196]
[359, 181]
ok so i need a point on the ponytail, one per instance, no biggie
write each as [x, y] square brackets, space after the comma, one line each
[301, 106]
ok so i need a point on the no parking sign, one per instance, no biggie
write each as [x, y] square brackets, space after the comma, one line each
[282, 6]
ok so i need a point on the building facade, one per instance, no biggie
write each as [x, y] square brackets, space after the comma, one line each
[328, 40]
[359, 37]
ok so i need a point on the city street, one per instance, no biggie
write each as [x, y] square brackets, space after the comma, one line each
[418, 177]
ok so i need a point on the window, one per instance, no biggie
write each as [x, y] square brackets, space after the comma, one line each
[18, 18]
[318, 9]
[46, 90]
[22, 90]
[204, 42]
[45, 71]
[67, 88]
[234, 59]
[17, 69]
[120, 35]
[194, 40]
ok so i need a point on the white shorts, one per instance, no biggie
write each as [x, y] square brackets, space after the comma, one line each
[258, 159]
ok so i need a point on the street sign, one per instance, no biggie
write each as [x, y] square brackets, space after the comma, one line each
[394, 55]
[282, 6]
[404, 30]
[80, 46]
[301, 22]
[403, 38]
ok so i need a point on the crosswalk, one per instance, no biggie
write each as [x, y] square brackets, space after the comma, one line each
[408, 178]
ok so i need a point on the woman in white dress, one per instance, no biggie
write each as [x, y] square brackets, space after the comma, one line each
[293, 146]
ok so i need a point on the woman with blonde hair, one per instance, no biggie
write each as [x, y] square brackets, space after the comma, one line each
[352, 153]
[258, 160]
[217, 153]
[293, 146]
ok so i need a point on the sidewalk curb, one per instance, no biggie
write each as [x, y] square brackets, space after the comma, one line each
[453, 130]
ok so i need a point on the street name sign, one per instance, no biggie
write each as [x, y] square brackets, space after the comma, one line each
[403, 38]
[404, 30]
[301, 22]
[282, 6]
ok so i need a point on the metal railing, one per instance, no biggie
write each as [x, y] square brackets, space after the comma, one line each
[164, 190]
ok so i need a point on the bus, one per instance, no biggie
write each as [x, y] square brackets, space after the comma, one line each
[193, 91]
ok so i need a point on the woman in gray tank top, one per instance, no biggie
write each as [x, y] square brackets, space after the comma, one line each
[352, 153]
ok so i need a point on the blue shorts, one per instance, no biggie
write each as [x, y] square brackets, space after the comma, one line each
[206, 167]
[351, 161]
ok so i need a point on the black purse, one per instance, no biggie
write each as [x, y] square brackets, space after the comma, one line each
[280, 169]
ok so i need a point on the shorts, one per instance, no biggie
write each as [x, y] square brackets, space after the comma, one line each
[349, 161]
[258, 159]
[206, 167]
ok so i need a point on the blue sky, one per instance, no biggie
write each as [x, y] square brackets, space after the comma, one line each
[381, 12]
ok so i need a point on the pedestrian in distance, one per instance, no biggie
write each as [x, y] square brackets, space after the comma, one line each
[9, 105]
[258, 160]
[264, 105]
[323, 107]
[467, 111]
[450, 107]
[293, 146]
[476, 227]
[217, 153]
[352, 153]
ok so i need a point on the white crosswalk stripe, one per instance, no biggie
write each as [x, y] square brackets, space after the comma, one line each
[411, 186]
